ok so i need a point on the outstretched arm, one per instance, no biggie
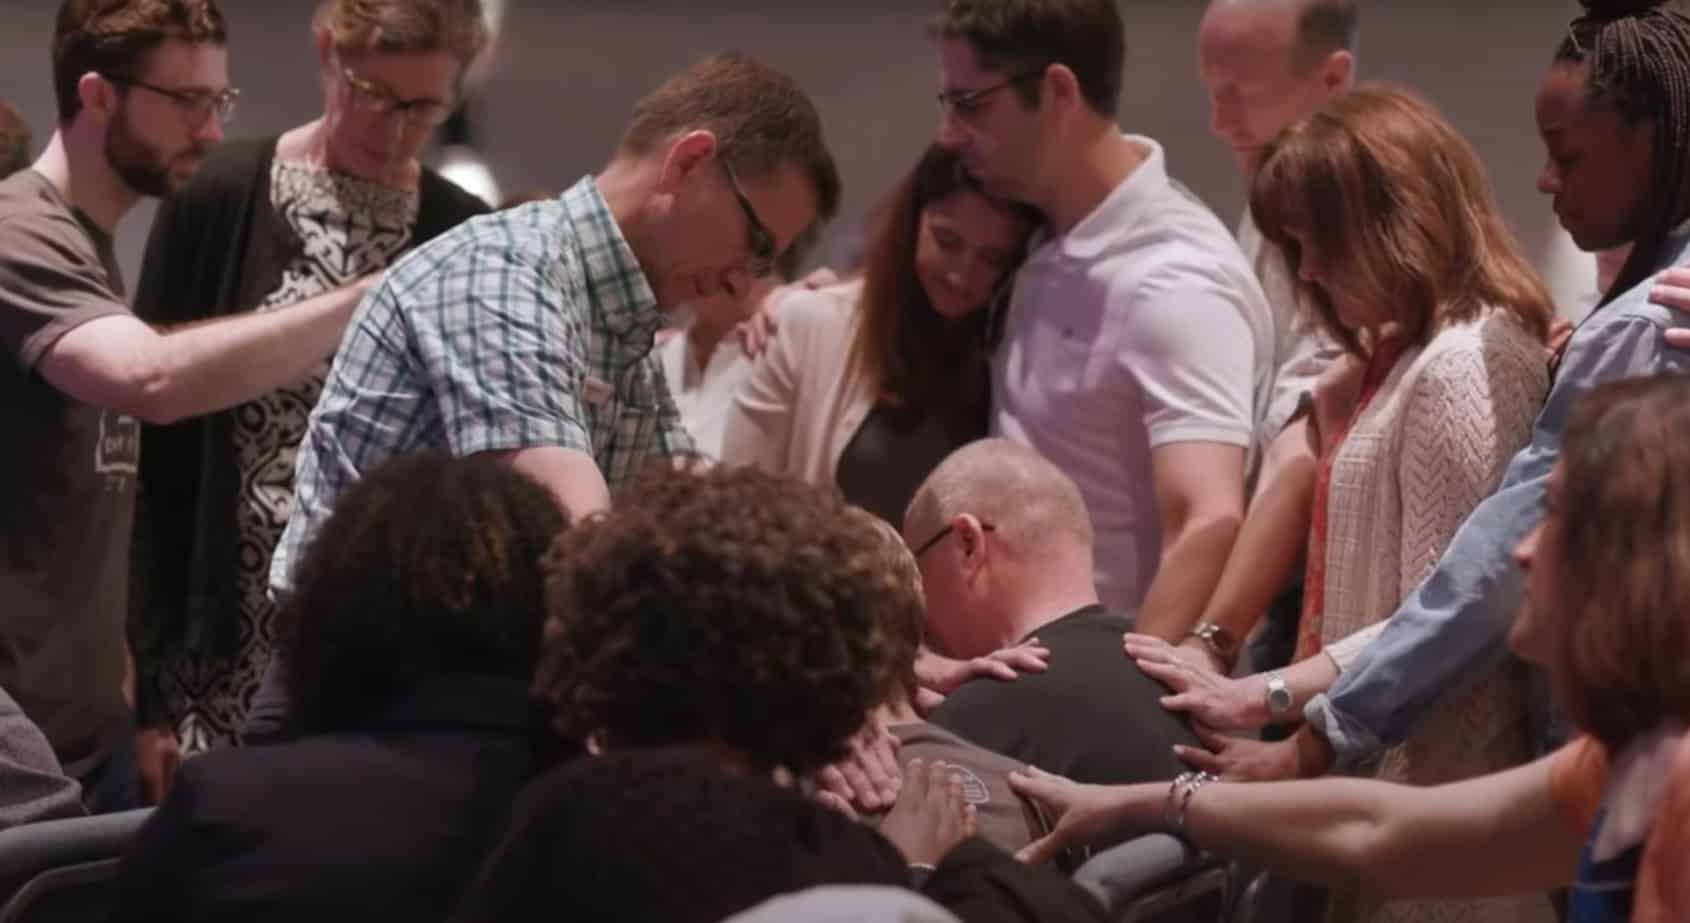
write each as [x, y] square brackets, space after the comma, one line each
[1495, 835]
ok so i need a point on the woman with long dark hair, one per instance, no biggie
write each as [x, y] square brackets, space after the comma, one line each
[868, 385]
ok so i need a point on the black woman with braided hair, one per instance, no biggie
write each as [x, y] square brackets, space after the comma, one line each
[1614, 114]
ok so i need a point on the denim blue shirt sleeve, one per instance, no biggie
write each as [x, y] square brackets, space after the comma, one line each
[1453, 629]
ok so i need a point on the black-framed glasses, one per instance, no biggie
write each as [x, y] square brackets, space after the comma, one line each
[964, 103]
[1585, 25]
[940, 536]
[198, 104]
[762, 242]
[374, 99]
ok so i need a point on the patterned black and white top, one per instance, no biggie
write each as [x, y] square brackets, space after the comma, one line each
[347, 227]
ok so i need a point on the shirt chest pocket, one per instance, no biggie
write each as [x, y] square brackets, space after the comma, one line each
[623, 435]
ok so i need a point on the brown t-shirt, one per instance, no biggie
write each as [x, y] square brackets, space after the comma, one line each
[67, 482]
[1002, 817]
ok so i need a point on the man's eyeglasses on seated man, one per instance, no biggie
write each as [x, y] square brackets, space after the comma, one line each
[947, 530]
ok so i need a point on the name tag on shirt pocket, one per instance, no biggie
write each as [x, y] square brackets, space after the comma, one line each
[595, 390]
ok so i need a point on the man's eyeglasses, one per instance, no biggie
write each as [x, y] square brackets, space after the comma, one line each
[940, 536]
[762, 243]
[964, 103]
[198, 104]
[1580, 33]
[375, 99]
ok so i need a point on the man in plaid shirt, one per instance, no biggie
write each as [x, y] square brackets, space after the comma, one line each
[529, 332]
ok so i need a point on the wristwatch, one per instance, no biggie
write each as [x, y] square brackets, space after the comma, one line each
[1278, 696]
[1218, 641]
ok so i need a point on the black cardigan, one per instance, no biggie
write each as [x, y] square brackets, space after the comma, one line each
[216, 248]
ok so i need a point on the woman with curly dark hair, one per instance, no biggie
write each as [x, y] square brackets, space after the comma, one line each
[726, 608]
[411, 639]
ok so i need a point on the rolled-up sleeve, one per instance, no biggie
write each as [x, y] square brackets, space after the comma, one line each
[1453, 629]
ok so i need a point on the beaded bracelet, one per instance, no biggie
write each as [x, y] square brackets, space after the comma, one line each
[1170, 819]
[1191, 786]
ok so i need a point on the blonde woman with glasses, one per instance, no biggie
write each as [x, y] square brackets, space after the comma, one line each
[266, 223]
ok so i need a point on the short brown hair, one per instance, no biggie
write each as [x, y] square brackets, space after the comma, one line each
[1323, 27]
[456, 27]
[1621, 538]
[761, 118]
[1023, 38]
[723, 605]
[14, 140]
[113, 37]
[1378, 180]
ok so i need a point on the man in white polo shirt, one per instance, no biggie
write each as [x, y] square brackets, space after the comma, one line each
[1138, 341]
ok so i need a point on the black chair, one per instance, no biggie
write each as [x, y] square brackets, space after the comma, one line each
[1158, 879]
[64, 871]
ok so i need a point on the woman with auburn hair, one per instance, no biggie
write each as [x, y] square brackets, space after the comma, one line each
[264, 224]
[1607, 570]
[1385, 215]
[870, 384]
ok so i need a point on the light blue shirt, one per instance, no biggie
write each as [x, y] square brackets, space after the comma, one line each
[1453, 629]
[528, 327]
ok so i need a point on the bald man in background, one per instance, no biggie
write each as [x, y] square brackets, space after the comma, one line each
[1268, 64]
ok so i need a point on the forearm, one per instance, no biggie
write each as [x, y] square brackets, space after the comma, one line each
[1193, 557]
[1489, 836]
[1304, 679]
[1272, 540]
[210, 366]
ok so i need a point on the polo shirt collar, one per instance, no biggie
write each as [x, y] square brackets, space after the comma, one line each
[623, 302]
[1124, 207]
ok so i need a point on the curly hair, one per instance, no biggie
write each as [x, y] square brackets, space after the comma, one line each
[644, 835]
[430, 565]
[722, 605]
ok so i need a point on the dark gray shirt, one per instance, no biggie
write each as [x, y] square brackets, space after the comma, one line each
[1093, 716]
[897, 448]
[67, 482]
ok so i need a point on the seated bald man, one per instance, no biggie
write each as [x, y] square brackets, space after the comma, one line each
[1004, 546]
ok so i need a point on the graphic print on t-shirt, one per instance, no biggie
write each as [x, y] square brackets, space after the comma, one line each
[117, 452]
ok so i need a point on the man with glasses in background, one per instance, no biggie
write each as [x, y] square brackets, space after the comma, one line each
[1138, 340]
[143, 92]
[529, 332]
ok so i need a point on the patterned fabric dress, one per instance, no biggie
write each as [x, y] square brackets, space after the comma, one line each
[347, 228]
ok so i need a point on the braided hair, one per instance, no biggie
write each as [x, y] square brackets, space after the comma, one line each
[1638, 53]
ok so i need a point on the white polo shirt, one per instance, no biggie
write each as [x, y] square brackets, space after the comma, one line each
[1301, 350]
[1142, 326]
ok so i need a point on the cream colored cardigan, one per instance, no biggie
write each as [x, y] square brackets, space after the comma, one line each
[800, 405]
[1432, 443]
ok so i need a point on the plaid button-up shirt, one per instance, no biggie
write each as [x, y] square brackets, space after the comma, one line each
[525, 328]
